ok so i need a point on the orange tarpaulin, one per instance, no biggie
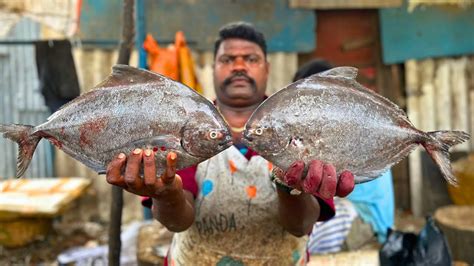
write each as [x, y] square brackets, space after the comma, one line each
[174, 61]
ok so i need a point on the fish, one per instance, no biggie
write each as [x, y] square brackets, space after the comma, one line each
[132, 108]
[331, 117]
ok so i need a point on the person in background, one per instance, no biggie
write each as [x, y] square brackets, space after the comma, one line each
[367, 212]
[226, 210]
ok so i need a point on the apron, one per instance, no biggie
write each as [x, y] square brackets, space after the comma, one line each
[236, 217]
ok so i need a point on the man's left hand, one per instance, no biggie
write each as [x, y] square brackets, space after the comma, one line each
[320, 180]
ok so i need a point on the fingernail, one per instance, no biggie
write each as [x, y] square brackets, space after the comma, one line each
[172, 156]
[137, 151]
[121, 156]
[147, 152]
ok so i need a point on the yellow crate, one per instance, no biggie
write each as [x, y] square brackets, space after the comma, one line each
[464, 170]
[19, 231]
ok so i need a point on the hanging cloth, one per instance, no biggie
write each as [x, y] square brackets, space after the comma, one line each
[174, 61]
[56, 72]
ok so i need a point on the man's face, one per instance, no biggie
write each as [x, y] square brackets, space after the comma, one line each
[240, 73]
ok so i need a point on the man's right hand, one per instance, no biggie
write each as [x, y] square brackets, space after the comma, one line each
[168, 185]
[172, 206]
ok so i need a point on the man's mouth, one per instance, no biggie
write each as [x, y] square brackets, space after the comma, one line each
[240, 80]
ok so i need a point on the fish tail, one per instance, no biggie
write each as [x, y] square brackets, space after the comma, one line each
[438, 148]
[27, 142]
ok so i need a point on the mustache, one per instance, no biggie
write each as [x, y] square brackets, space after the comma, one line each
[239, 74]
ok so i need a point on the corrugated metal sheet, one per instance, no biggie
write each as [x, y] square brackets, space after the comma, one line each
[21, 101]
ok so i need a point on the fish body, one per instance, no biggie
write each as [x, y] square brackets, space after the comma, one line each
[132, 108]
[331, 117]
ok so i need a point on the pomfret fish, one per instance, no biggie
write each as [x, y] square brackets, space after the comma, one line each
[331, 117]
[132, 108]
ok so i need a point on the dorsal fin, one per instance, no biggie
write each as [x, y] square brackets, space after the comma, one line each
[343, 72]
[126, 75]
[347, 76]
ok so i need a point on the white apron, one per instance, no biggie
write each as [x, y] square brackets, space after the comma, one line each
[236, 219]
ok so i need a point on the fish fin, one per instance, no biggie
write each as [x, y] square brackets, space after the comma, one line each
[126, 75]
[345, 72]
[160, 142]
[27, 142]
[164, 142]
[350, 74]
[438, 149]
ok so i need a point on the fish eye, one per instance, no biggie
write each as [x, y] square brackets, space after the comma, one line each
[213, 134]
[259, 131]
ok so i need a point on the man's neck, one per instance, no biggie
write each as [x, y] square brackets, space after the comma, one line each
[236, 117]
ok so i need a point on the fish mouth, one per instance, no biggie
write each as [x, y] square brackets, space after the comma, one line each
[226, 142]
[246, 136]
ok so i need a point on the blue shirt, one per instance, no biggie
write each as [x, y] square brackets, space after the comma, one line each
[374, 202]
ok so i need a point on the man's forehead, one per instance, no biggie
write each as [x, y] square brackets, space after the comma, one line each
[238, 46]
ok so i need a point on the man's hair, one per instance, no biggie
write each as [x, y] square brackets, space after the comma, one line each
[241, 30]
[312, 67]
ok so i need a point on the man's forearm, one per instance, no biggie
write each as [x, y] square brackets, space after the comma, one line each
[176, 212]
[298, 214]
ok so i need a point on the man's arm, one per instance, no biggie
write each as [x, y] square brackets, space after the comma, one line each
[299, 212]
[172, 206]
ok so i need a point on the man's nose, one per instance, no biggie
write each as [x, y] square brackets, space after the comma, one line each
[239, 63]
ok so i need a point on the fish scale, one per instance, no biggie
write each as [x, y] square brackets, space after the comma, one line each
[337, 120]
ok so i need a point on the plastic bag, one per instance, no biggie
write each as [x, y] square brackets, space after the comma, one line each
[428, 248]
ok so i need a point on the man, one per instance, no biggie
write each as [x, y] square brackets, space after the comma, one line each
[227, 210]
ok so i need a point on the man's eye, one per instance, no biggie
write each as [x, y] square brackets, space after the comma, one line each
[226, 60]
[253, 59]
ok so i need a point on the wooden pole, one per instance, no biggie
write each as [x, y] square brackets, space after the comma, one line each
[126, 45]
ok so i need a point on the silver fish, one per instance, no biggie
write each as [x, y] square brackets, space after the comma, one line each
[132, 108]
[331, 117]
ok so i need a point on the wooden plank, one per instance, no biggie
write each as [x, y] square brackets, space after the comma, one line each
[460, 106]
[426, 32]
[344, 4]
[443, 95]
[204, 72]
[283, 66]
[427, 98]
[470, 75]
[413, 111]
[39, 197]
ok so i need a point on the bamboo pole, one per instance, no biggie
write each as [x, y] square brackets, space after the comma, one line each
[126, 46]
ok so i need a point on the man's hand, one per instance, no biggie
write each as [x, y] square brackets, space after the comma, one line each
[150, 185]
[320, 180]
[172, 206]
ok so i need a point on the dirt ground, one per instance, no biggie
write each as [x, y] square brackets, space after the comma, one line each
[67, 235]
[44, 251]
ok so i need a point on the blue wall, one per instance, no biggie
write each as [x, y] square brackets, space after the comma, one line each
[290, 30]
[426, 32]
